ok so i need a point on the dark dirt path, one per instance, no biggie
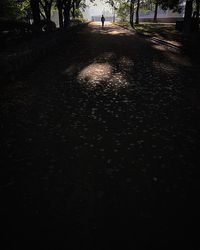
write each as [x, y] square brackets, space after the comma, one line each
[100, 146]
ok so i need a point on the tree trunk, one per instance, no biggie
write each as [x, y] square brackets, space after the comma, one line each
[46, 5]
[113, 15]
[67, 7]
[73, 9]
[60, 13]
[188, 17]
[47, 12]
[60, 16]
[35, 8]
[155, 12]
[137, 12]
[198, 8]
[131, 13]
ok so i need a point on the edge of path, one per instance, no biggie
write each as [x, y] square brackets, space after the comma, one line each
[12, 65]
[181, 49]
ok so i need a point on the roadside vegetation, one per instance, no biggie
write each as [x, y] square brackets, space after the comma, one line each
[128, 14]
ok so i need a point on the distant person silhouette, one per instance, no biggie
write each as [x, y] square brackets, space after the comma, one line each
[102, 20]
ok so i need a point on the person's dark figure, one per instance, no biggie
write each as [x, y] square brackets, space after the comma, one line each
[102, 20]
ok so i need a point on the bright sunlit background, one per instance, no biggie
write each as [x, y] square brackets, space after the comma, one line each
[97, 8]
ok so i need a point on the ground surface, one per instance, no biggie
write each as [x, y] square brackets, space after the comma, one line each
[168, 33]
[100, 146]
[164, 31]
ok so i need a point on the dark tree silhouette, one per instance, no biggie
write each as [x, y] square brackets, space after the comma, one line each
[137, 12]
[75, 6]
[188, 17]
[156, 11]
[198, 8]
[35, 12]
[67, 8]
[46, 6]
[132, 12]
[60, 12]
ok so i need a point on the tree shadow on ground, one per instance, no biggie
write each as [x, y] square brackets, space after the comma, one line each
[100, 146]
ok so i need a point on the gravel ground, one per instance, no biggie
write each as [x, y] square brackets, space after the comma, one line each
[99, 146]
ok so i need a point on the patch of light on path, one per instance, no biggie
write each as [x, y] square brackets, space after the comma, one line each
[110, 29]
[99, 24]
[102, 74]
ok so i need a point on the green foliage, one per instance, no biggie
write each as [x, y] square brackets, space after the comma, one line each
[7, 9]
[82, 5]
[123, 11]
[78, 20]
[20, 9]
[78, 13]
[14, 9]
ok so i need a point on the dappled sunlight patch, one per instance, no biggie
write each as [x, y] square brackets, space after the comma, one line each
[96, 72]
[120, 31]
[118, 81]
[159, 47]
[109, 29]
[114, 32]
[98, 24]
[104, 74]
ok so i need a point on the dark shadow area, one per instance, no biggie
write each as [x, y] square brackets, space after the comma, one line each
[100, 146]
